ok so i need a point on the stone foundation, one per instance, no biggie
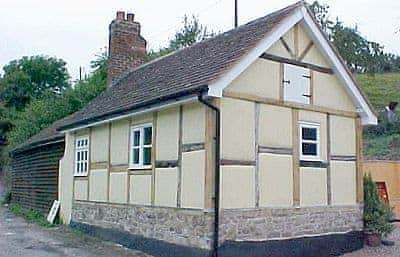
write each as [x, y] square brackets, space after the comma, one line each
[268, 223]
[251, 232]
[192, 228]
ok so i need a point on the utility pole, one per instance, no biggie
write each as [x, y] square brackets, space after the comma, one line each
[236, 13]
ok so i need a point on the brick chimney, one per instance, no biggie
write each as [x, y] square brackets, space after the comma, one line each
[127, 48]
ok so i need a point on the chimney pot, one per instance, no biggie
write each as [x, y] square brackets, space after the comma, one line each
[120, 15]
[130, 17]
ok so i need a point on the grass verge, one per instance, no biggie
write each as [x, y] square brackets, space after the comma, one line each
[31, 216]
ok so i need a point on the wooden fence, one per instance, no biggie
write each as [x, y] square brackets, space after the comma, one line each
[35, 176]
[389, 173]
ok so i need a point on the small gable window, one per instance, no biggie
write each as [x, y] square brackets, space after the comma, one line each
[296, 84]
[309, 141]
[140, 155]
[81, 156]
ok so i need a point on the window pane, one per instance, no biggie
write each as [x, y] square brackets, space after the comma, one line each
[309, 149]
[85, 167]
[86, 156]
[147, 135]
[147, 156]
[135, 156]
[136, 137]
[309, 133]
[77, 168]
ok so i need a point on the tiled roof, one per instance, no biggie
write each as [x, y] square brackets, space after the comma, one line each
[186, 71]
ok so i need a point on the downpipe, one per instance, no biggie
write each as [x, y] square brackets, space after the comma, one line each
[217, 172]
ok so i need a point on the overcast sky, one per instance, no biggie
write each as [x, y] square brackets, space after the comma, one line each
[77, 30]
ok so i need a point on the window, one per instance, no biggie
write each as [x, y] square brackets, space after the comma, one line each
[141, 146]
[296, 84]
[81, 156]
[309, 141]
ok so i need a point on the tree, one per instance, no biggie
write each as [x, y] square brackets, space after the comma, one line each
[191, 32]
[42, 112]
[321, 13]
[360, 54]
[31, 78]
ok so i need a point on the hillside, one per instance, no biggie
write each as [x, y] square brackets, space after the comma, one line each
[383, 141]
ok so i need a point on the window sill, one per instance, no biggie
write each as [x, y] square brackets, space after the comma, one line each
[149, 167]
[313, 164]
[80, 175]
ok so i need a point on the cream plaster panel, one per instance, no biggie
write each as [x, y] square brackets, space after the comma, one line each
[82, 132]
[237, 187]
[98, 185]
[193, 123]
[120, 142]
[314, 56]
[276, 180]
[143, 118]
[167, 134]
[330, 92]
[319, 118]
[343, 135]
[304, 39]
[119, 187]
[140, 189]
[260, 79]
[289, 38]
[193, 179]
[313, 187]
[279, 50]
[343, 182]
[238, 133]
[66, 179]
[166, 186]
[81, 190]
[275, 126]
[99, 144]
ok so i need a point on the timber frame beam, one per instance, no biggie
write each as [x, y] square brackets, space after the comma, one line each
[295, 62]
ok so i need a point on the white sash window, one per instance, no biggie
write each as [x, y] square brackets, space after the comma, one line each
[140, 156]
[309, 141]
[81, 156]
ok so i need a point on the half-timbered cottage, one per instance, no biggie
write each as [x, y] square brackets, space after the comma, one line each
[247, 143]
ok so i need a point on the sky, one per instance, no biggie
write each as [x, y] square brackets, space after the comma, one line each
[77, 30]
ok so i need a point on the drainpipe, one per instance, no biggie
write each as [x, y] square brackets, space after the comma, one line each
[217, 172]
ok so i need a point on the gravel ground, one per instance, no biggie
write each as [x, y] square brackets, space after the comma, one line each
[21, 239]
[382, 251]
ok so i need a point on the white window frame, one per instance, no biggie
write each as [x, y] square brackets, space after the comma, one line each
[141, 146]
[79, 150]
[317, 141]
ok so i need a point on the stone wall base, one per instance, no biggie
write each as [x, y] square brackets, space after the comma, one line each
[318, 246]
[154, 247]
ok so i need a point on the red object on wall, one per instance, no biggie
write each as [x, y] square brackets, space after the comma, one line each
[382, 191]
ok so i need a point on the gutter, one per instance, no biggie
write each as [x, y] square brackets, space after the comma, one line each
[217, 171]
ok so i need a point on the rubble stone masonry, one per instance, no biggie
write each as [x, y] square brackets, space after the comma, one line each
[194, 228]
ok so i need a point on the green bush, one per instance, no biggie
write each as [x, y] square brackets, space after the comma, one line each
[377, 214]
[7, 198]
